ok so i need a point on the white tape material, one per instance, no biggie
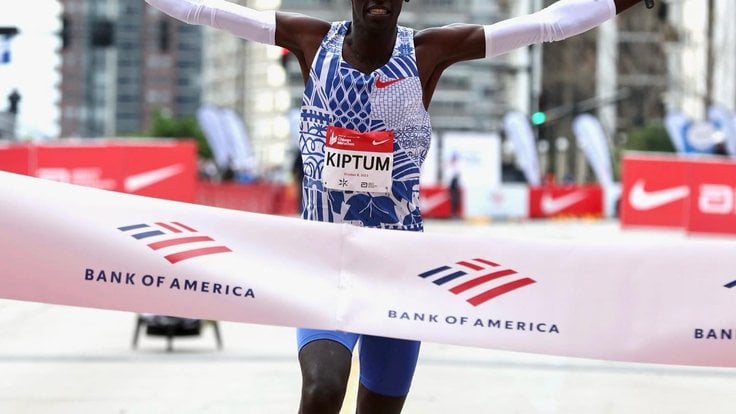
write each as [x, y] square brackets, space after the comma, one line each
[670, 303]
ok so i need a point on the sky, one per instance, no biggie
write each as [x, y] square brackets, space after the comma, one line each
[33, 69]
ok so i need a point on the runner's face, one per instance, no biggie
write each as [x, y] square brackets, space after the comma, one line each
[377, 14]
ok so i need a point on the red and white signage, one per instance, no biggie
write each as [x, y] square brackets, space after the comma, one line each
[436, 202]
[695, 194]
[713, 202]
[655, 191]
[161, 168]
[561, 201]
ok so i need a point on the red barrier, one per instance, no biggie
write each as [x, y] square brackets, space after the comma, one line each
[436, 202]
[698, 195]
[161, 168]
[566, 201]
[15, 159]
[713, 202]
[654, 191]
[254, 197]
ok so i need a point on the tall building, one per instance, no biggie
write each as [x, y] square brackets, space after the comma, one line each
[249, 78]
[121, 61]
[701, 55]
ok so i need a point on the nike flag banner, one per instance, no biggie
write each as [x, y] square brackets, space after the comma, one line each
[71, 245]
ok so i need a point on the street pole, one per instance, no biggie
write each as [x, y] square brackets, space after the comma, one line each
[709, 57]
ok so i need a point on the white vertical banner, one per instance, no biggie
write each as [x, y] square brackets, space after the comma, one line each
[476, 158]
[592, 140]
[238, 141]
[295, 120]
[519, 131]
[676, 123]
[725, 121]
[430, 174]
[210, 121]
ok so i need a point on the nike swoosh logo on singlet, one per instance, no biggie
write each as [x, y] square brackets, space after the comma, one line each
[385, 84]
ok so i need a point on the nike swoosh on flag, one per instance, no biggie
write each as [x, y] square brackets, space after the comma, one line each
[176, 241]
[136, 182]
[477, 280]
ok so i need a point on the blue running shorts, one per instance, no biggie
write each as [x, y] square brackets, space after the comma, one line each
[386, 364]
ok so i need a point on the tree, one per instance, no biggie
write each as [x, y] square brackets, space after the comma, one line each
[163, 125]
[652, 137]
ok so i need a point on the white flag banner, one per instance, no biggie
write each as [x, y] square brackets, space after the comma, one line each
[725, 120]
[216, 132]
[676, 123]
[519, 131]
[238, 141]
[592, 140]
[671, 303]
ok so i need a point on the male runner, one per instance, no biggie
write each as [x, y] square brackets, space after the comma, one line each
[365, 131]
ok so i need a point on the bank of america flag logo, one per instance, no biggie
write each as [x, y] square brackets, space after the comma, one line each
[176, 241]
[477, 280]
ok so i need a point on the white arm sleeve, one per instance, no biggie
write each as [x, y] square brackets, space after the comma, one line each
[244, 22]
[560, 20]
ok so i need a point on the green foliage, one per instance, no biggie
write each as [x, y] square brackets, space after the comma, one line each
[652, 137]
[166, 126]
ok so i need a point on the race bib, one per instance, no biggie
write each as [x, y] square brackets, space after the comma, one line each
[358, 161]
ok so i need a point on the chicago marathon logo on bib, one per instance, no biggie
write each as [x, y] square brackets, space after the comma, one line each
[358, 161]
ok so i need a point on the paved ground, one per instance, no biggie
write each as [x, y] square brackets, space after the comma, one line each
[56, 359]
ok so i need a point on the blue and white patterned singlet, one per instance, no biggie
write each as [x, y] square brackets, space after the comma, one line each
[337, 94]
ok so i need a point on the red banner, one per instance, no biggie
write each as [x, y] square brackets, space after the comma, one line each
[436, 202]
[655, 191]
[162, 168]
[713, 202]
[695, 194]
[14, 158]
[566, 201]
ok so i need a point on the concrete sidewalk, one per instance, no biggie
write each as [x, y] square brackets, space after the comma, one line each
[56, 359]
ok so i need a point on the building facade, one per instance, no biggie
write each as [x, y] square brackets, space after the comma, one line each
[120, 62]
[701, 51]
